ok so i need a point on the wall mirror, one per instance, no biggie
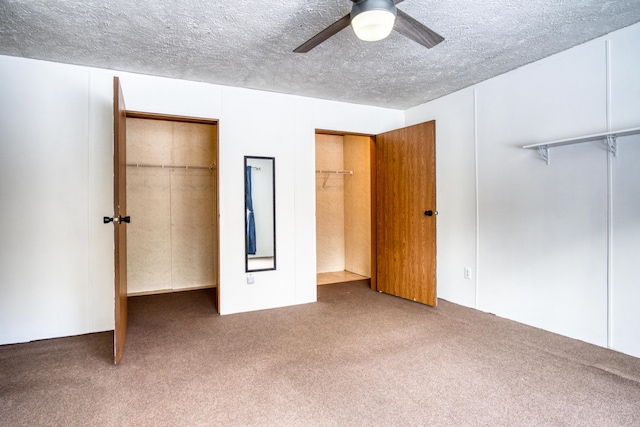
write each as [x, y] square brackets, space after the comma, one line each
[260, 213]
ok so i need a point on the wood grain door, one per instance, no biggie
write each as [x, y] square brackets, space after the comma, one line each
[119, 211]
[405, 193]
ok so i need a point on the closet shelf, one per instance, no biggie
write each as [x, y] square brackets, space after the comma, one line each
[610, 137]
[329, 172]
[146, 165]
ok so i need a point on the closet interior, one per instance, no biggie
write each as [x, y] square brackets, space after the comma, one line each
[343, 208]
[172, 241]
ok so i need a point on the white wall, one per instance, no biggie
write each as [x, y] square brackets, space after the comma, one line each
[56, 184]
[625, 292]
[625, 193]
[539, 235]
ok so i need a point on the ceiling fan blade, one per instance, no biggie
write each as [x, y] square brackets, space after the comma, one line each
[409, 27]
[323, 35]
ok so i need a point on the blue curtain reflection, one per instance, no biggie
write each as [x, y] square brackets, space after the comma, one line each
[251, 222]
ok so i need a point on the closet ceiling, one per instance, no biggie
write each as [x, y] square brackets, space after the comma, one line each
[249, 43]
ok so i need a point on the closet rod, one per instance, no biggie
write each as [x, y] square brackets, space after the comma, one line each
[326, 178]
[145, 165]
[339, 172]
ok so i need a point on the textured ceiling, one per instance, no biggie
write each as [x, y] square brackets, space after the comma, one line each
[249, 43]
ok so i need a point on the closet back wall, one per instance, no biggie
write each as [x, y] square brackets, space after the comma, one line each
[343, 204]
[173, 232]
[330, 239]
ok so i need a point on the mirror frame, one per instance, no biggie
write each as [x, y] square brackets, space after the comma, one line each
[273, 203]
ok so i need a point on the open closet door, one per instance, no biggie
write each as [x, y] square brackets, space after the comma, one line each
[405, 211]
[119, 213]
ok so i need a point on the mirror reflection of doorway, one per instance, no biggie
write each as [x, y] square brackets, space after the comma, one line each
[343, 208]
[172, 201]
[260, 213]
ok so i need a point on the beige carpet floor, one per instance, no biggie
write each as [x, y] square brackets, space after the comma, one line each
[354, 358]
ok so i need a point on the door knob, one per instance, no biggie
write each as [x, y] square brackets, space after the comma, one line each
[107, 219]
[430, 213]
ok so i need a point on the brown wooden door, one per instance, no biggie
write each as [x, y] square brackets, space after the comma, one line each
[119, 211]
[405, 190]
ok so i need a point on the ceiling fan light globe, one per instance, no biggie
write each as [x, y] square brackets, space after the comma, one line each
[373, 25]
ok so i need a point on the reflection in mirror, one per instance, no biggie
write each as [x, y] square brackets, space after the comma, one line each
[260, 213]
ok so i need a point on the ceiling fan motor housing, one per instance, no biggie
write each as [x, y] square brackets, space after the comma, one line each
[360, 6]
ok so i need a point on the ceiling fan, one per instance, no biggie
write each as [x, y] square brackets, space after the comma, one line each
[373, 20]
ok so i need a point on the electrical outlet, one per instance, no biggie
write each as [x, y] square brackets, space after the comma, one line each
[467, 273]
[250, 279]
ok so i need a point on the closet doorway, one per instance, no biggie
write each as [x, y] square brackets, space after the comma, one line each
[344, 214]
[172, 199]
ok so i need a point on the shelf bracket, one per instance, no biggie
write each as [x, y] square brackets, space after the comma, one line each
[612, 145]
[544, 152]
[326, 178]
